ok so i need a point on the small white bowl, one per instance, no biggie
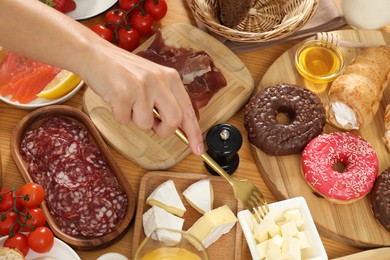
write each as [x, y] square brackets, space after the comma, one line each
[315, 251]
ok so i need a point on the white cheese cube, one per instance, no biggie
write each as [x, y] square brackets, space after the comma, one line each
[302, 237]
[213, 224]
[200, 195]
[166, 197]
[291, 249]
[275, 242]
[262, 249]
[274, 254]
[294, 215]
[289, 229]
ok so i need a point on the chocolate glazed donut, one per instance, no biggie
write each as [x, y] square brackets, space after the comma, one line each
[262, 119]
[380, 199]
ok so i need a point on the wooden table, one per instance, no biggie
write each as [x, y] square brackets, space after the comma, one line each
[178, 12]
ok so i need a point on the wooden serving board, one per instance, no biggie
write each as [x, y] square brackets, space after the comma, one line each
[147, 149]
[223, 195]
[353, 223]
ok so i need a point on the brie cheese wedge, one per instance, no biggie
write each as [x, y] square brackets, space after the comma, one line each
[213, 224]
[200, 195]
[167, 197]
[157, 217]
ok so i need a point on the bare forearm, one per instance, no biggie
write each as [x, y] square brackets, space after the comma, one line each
[36, 30]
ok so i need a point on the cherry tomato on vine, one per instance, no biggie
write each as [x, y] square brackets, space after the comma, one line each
[115, 17]
[128, 39]
[103, 31]
[127, 5]
[156, 10]
[7, 224]
[35, 194]
[143, 24]
[7, 200]
[18, 241]
[33, 218]
[41, 240]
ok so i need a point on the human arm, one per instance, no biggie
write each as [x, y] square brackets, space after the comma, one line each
[131, 85]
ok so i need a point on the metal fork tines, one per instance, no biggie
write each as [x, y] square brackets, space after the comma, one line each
[244, 190]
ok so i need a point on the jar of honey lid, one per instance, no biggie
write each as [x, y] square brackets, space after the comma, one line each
[319, 61]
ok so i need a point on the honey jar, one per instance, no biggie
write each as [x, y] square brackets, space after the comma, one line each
[319, 61]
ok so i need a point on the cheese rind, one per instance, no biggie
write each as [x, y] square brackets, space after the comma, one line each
[157, 217]
[167, 197]
[200, 195]
[213, 224]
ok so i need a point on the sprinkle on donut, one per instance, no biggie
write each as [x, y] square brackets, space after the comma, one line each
[303, 109]
[358, 157]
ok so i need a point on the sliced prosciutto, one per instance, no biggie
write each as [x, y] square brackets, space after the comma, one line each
[201, 78]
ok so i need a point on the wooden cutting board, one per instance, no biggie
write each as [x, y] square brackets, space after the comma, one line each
[145, 148]
[353, 223]
[223, 195]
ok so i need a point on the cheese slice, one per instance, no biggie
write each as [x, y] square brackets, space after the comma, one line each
[166, 197]
[157, 217]
[200, 195]
[213, 224]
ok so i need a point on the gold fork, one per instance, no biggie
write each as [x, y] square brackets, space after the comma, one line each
[244, 190]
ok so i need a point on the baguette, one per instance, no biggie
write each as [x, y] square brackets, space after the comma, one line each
[355, 95]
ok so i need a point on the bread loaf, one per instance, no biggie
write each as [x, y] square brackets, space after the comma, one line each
[232, 12]
[10, 254]
[355, 95]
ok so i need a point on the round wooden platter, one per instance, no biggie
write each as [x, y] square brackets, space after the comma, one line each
[349, 223]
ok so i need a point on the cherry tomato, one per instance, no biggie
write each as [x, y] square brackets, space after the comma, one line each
[41, 240]
[128, 39]
[7, 200]
[156, 10]
[143, 24]
[114, 17]
[127, 5]
[18, 241]
[8, 225]
[35, 194]
[33, 218]
[103, 31]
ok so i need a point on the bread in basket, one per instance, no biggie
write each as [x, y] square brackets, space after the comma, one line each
[253, 20]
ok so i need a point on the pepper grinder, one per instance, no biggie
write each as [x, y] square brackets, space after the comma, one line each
[223, 142]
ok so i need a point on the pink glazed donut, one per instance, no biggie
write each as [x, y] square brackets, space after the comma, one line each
[358, 157]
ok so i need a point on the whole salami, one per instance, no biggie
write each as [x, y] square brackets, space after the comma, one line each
[82, 193]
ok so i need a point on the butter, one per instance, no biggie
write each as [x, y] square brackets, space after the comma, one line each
[213, 224]
[200, 196]
[167, 197]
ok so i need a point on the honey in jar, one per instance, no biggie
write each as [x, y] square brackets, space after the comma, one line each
[319, 62]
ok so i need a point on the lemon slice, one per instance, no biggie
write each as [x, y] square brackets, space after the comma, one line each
[64, 82]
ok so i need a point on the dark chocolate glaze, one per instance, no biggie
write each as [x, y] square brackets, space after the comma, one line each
[380, 199]
[304, 109]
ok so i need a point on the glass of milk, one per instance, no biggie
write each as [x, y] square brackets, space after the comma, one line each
[170, 244]
[366, 14]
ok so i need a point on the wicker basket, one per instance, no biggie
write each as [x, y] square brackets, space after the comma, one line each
[267, 20]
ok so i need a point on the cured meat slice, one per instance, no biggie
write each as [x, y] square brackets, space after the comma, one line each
[65, 202]
[73, 172]
[197, 69]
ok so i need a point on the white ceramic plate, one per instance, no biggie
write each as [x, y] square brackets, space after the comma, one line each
[88, 8]
[59, 251]
[40, 102]
[315, 251]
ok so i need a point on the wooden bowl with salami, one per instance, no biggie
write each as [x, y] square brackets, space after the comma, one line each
[88, 201]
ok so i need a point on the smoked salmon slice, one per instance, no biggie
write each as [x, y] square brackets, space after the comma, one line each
[23, 78]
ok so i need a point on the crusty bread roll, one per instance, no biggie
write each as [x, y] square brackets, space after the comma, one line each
[10, 254]
[355, 95]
